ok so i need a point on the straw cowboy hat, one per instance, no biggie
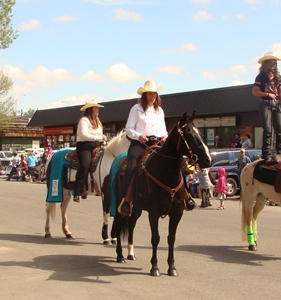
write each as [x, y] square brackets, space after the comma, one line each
[90, 103]
[268, 56]
[149, 86]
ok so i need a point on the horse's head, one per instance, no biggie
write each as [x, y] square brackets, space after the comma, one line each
[190, 142]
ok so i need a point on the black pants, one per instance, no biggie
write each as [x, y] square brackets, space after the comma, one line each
[84, 152]
[134, 156]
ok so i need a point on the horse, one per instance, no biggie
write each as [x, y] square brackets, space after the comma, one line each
[158, 188]
[116, 146]
[259, 183]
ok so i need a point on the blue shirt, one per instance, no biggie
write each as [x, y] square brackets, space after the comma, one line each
[32, 161]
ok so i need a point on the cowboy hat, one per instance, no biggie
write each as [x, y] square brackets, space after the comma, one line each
[149, 86]
[268, 56]
[90, 103]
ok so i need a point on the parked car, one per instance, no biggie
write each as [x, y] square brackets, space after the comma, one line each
[5, 159]
[37, 151]
[227, 158]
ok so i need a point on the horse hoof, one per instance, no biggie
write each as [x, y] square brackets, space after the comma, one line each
[106, 242]
[253, 248]
[69, 236]
[120, 260]
[131, 257]
[114, 241]
[48, 236]
[155, 272]
[172, 272]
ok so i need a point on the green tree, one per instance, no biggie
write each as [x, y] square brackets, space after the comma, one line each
[7, 103]
[7, 34]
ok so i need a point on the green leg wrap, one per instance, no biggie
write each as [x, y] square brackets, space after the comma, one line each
[250, 235]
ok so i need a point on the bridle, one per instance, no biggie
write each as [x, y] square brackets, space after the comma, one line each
[192, 155]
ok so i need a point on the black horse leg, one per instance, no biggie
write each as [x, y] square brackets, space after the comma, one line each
[173, 224]
[113, 234]
[155, 238]
[118, 227]
[131, 226]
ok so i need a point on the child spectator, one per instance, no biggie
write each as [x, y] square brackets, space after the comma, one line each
[221, 187]
[204, 184]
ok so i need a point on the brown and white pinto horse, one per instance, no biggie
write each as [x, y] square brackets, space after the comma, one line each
[115, 147]
[259, 184]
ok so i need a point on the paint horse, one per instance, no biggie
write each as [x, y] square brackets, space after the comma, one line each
[158, 187]
[260, 183]
[116, 146]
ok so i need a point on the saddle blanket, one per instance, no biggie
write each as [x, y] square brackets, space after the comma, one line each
[57, 164]
[267, 176]
[113, 171]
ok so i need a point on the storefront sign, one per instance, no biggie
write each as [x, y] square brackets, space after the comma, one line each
[58, 130]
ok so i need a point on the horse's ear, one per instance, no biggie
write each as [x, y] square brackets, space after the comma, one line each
[192, 117]
[183, 119]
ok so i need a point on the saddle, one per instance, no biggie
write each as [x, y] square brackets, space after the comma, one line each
[275, 168]
[72, 158]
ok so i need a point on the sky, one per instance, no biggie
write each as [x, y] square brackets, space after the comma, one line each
[71, 51]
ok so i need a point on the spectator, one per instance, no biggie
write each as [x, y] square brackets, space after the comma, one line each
[15, 164]
[32, 162]
[237, 142]
[221, 188]
[217, 142]
[204, 184]
[246, 144]
[242, 161]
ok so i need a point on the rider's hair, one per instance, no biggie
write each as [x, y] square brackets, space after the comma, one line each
[143, 102]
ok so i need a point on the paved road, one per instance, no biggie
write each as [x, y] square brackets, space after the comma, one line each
[211, 259]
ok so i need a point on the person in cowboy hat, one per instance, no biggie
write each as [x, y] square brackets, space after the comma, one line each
[89, 136]
[267, 87]
[146, 119]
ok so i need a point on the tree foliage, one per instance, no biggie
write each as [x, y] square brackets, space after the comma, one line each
[7, 34]
[7, 103]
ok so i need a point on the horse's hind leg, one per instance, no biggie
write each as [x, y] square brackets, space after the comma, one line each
[50, 212]
[63, 207]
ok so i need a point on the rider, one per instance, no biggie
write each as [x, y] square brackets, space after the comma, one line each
[89, 137]
[146, 119]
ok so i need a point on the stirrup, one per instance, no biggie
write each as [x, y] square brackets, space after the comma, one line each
[123, 213]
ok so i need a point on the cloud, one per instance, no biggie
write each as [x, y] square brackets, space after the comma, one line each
[202, 15]
[91, 76]
[236, 82]
[64, 19]
[241, 17]
[209, 75]
[125, 15]
[169, 69]
[30, 25]
[121, 73]
[200, 1]
[239, 69]
[111, 2]
[42, 75]
[14, 72]
[186, 48]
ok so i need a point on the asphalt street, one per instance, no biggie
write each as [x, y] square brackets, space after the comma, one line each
[212, 260]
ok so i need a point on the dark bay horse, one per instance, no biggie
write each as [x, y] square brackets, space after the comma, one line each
[159, 189]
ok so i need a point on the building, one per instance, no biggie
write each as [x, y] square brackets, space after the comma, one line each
[222, 111]
[17, 135]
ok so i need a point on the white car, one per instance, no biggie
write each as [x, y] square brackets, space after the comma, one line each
[38, 152]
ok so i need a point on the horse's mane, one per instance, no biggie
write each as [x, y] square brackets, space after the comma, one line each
[116, 139]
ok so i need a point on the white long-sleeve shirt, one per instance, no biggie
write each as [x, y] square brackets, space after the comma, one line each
[146, 123]
[86, 132]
